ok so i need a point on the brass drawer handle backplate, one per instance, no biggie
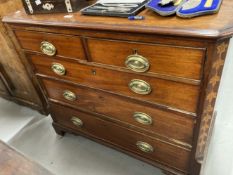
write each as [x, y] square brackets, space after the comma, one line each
[137, 63]
[140, 87]
[145, 147]
[58, 69]
[68, 95]
[76, 121]
[47, 48]
[142, 118]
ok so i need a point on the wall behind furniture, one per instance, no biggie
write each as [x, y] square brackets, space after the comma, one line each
[220, 155]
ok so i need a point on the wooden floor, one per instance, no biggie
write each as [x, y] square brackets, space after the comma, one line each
[12, 162]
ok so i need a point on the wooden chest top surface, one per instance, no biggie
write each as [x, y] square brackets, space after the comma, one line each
[211, 26]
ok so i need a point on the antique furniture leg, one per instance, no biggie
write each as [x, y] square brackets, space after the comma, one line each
[58, 130]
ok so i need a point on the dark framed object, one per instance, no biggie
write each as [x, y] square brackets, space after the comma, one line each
[53, 6]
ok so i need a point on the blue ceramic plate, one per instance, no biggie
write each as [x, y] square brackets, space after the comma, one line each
[188, 12]
[163, 10]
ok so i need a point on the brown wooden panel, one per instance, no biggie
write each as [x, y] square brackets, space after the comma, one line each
[221, 23]
[23, 92]
[3, 89]
[172, 31]
[8, 6]
[168, 93]
[163, 59]
[122, 137]
[6, 86]
[67, 46]
[210, 97]
[176, 128]
[118, 35]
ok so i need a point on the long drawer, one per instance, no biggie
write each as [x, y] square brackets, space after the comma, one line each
[51, 44]
[170, 60]
[174, 127]
[124, 138]
[154, 90]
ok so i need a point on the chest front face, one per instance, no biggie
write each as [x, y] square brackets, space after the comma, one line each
[149, 92]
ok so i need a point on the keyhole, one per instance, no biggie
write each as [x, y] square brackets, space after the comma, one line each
[135, 51]
[93, 72]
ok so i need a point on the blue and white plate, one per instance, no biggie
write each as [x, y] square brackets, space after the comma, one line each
[193, 8]
[166, 10]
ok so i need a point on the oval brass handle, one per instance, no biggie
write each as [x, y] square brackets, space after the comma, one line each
[58, 69]
[142, 118]
[145, 147]
[137, 63]
[76, 121]
[140, 87]
[47, 48]
[68, 95]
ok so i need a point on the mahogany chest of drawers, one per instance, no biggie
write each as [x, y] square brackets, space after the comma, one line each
[146, 88]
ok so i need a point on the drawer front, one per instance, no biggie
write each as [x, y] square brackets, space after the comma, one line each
[124, 138]
[166, 124]
[161, 59]
[51, 44]
[168, 93]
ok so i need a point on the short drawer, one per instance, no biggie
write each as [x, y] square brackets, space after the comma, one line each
[152, 58]
[121, 137]
[154, 90]
[173, 127]
[51, 44]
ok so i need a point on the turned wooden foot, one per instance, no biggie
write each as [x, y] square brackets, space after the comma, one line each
[58, 130]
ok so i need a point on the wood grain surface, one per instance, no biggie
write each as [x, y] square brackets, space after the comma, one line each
[3, 89]
[125, 138]
[174, 127]
[186, 60]
[163, 59]
[210, 98]
[211, 26]
[7, 86]
[66, 46]
[168, 93]
[24, 91]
